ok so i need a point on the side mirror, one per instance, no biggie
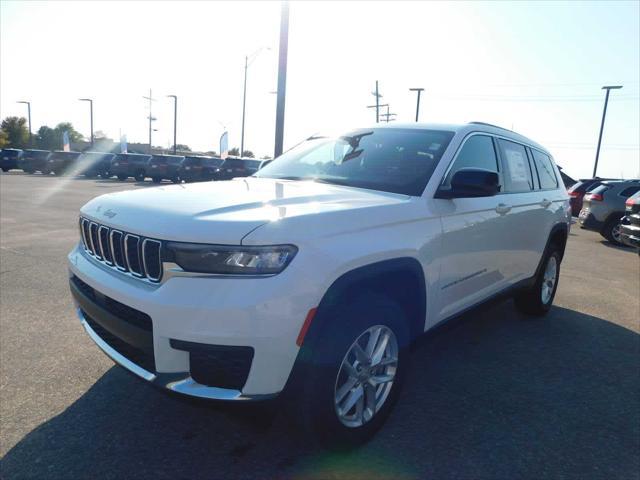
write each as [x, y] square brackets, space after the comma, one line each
[471, 182]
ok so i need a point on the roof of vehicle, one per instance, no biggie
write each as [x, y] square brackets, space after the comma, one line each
[464, 129]
[16, 150]
[37, 150]
[168, 156]
[618, 182]
[203, 157]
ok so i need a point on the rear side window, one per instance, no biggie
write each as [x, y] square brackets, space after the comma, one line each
[546, 172]
[517, 171]
[477, 152]
[627, 192]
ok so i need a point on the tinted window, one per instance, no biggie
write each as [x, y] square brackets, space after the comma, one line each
[477, 152]
[398, 160]
[627, 192]
[517, 172]
[546, 172]
[232, 163]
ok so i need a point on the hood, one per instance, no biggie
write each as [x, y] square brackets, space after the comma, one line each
[226, 211]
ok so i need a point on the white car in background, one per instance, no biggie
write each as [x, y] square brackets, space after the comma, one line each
[315, 275]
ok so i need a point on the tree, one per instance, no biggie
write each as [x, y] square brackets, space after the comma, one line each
[211, 153]
[4, 139]
[100, 136]
[15, 129]
[249, 154]
[74, 135]
[181, 148]
[234, 152]
[266, 157]
[47, 139]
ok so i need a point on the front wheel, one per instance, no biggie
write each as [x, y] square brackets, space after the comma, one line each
[176, 179]
[538, 299]
[139, 176]
[156, 179]
[356, 372]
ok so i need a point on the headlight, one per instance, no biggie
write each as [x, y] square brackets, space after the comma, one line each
[232, 260]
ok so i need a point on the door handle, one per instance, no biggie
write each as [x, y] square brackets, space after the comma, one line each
[545, 203]
[503, 209]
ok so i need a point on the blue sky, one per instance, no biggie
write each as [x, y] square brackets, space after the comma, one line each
[535, 67]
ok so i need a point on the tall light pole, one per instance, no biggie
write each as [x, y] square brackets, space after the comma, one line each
[604, 114]
[282, 79]
[90, 113]
[248, 60]
[29, 117]
[419, 90]
[175, 121]
[151, 119]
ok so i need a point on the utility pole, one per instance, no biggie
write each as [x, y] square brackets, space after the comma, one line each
[175, 121]
[282, 79]
[388, 116]
[419, 90]
[90, 113]
[604, 114]
[377, 106]
[28, 118]
[151, 119]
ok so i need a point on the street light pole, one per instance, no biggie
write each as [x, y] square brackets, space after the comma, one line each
[151, 119]
[90, 113]
[29, 119]
[419, 90]
[282, 79]
[247, 61]
[604, 114]
[175, 121]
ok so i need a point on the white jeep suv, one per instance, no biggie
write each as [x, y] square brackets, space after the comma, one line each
[315, 275]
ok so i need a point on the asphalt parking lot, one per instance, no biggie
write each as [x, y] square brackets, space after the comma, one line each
[495, 395]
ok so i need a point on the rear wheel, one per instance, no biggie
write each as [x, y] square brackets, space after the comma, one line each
[538, 299]
[176, 179]
[122, 177]
[356, 373]
[139, 176]
[156, 179]
[5, 169]
[611, 231]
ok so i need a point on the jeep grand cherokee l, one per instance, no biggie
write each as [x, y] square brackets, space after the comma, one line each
[315, 275]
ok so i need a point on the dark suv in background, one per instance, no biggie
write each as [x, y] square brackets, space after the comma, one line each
[233, 167]
[9, 158]
[198, 169]
[93, 164]
[34, 160]
[125, 165]
[61, 162]
[604, 206]
[162, 167]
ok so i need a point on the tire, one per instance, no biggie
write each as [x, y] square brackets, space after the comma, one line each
[326, 382]
[611, 231]
[176, 179]
[122, 177]
[156, 179]
[140, 176]
[5, 169]
[538, 299]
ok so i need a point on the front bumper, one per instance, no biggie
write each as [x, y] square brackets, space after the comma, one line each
[630, 235]
[265, 314]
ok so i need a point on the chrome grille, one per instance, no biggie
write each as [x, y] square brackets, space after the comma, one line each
[126, 252]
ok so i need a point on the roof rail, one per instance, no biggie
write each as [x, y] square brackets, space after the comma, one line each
[490, 125]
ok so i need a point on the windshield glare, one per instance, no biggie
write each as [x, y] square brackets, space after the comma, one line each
[397, 160]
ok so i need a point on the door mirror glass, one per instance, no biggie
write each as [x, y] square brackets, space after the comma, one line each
[471, 182]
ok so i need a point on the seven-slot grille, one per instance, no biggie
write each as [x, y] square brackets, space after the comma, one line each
[126, 252]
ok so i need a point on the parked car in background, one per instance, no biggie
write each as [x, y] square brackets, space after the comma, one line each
[61, 162]
[210, 167]
[233, 167]
[162, 167]
[604, 206]
[93, 164]
[630, 224]
[578, 190]
[34, 160]
[265, 162]
[9, 158]
[192, 168]
[125, 165]
[566, 179]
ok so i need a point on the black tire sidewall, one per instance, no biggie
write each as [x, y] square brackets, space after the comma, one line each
[337, 336]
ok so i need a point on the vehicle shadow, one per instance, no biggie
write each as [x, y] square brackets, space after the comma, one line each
[493, 395]
[622, 248]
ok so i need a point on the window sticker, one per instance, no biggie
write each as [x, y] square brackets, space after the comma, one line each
[517, 166]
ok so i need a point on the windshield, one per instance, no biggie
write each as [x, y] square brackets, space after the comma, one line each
[397, 160]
